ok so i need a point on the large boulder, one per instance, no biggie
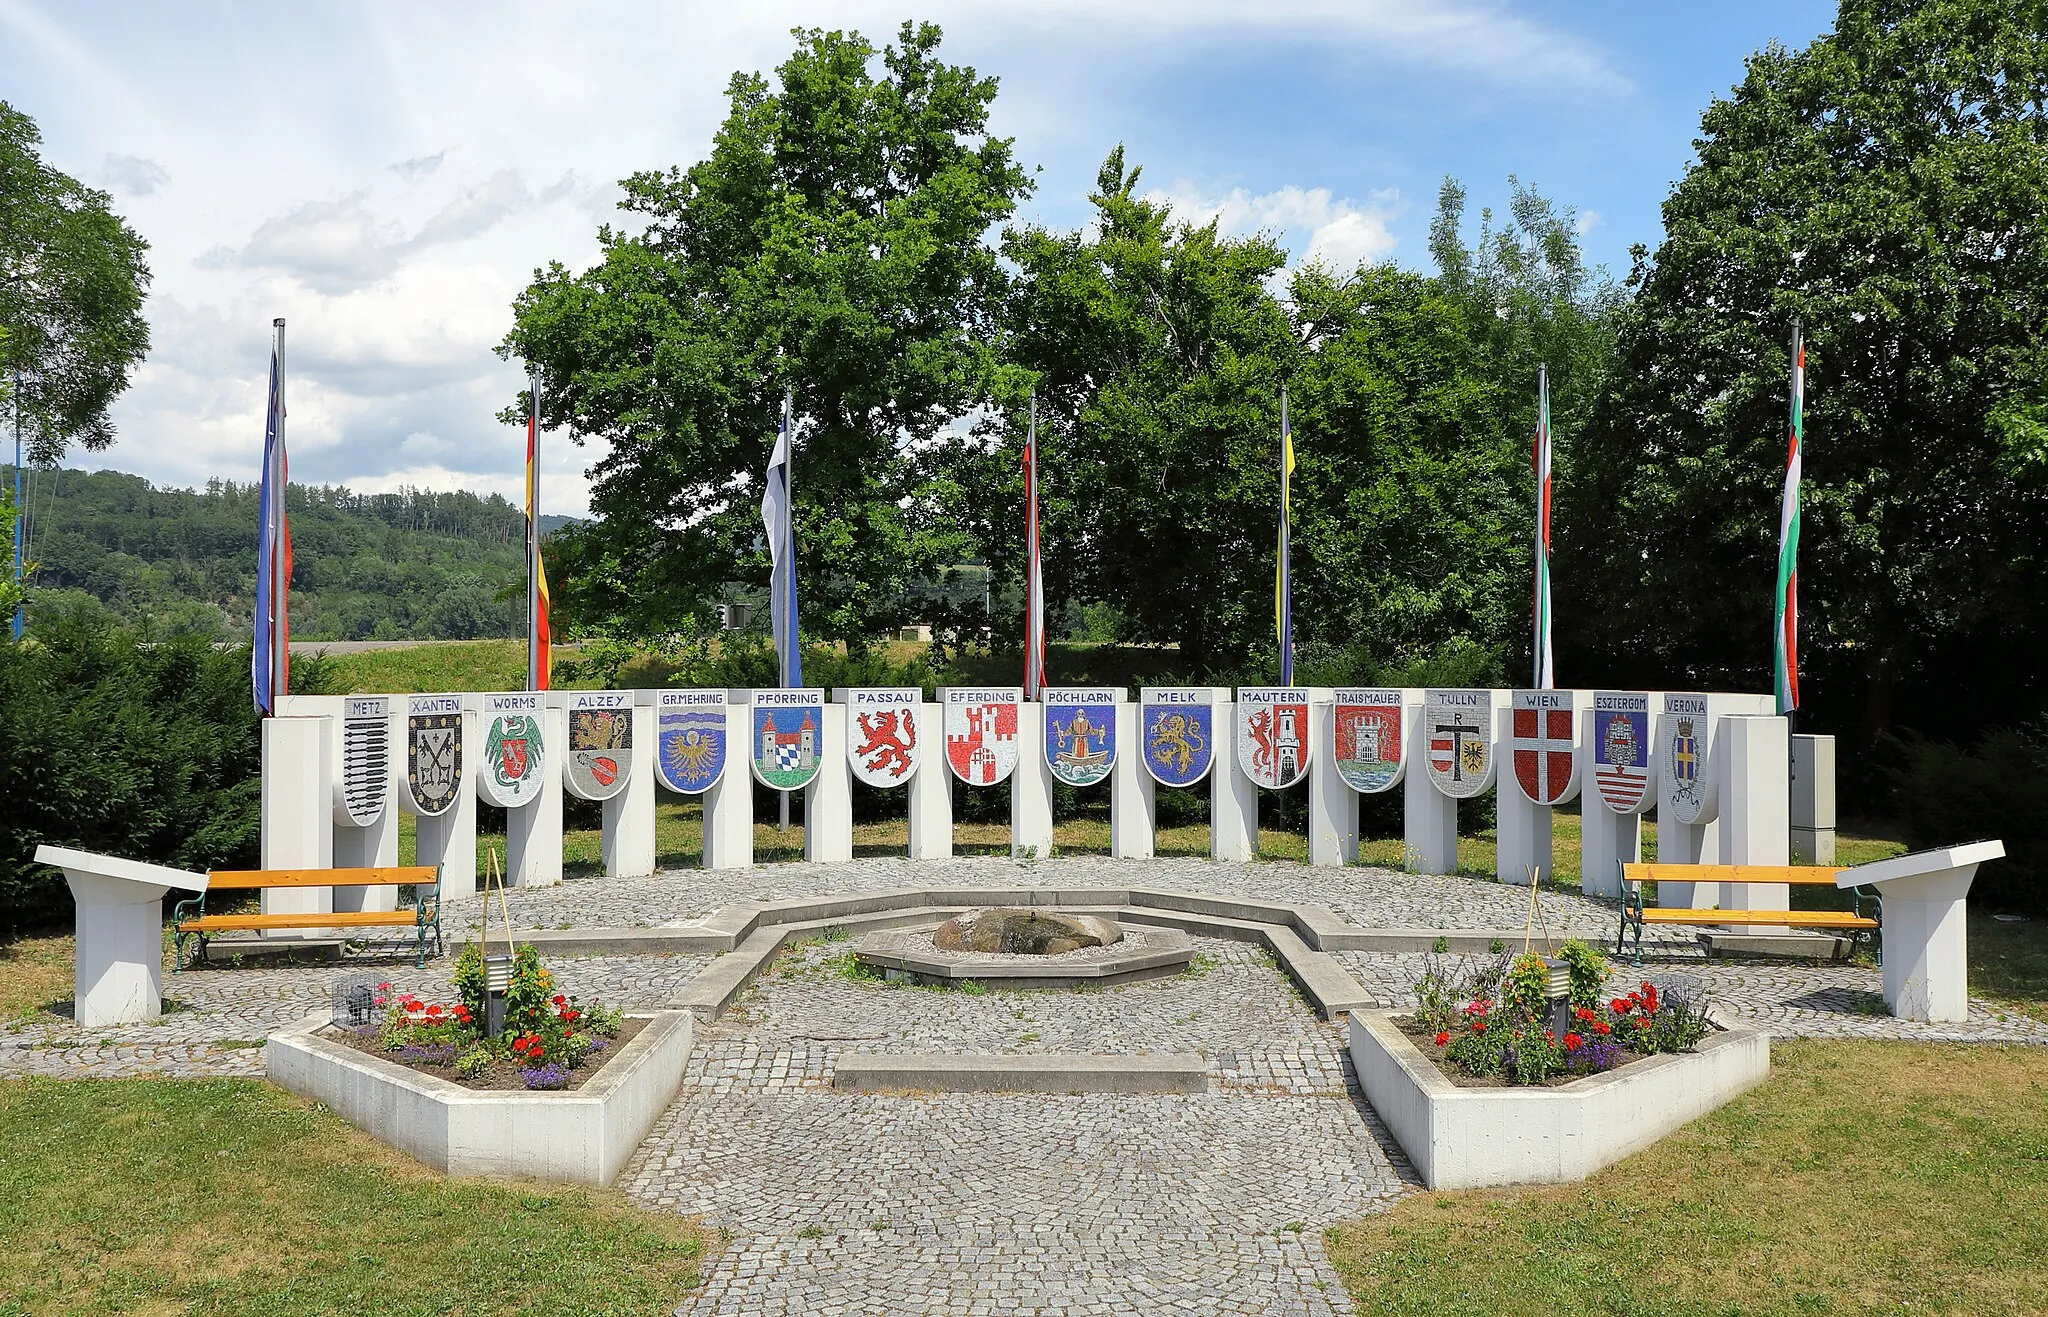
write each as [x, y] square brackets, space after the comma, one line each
[1026, 932]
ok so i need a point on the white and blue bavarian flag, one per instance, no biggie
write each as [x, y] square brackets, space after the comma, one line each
[777, 521]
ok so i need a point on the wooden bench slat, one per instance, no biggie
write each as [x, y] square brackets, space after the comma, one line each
[329, 919]
[250, 879]
[1805, 918]
[1794, 874]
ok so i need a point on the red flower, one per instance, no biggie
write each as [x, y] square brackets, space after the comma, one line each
[1620, 1005]
[433, 1010]
[1642, 1023]
[1478, 1026]
[1583, 1013]
[560, 1000]
[1572, 1042]
[1549, 1037]
[1650, 998]
[462, 1014]
[1443, 1039]
[1602, 1026]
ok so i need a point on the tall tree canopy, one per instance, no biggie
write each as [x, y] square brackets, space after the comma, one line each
[72, 277]
[1885, 186]
[832, 243]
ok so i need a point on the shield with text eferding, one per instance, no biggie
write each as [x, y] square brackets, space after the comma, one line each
[1367, 736]
[1544, 744]
[600, 743]
[1177, 731]
[981, 734]
[365, 760]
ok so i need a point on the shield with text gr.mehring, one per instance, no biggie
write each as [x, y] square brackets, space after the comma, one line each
[1366, 743]
[600, 752]
[1080, 742]
[1621, 756]
[690, 740]
[365, 767]
[881, 744]
[510, 775]
[981, 742]
[433, 761]
[1179, 742]
[1273, 741]
[786, 742]
[1545, 752]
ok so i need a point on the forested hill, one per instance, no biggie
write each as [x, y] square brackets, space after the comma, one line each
[407, 565]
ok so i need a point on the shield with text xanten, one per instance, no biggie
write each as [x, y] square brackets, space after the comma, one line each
[433, 761]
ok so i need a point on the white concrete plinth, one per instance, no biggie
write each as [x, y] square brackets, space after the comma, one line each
[1754, 761]
[298, 814]
[1926, 944]
[118, 970]
[628, 839]
[1133, 795]
[1031, 787]
[1233, 797]
[1429, 818]
[533, 832]
[828, 800]
[1521, 826]
[1813, 800]
[1606, 837]
[1332, 804]
[729, 803]
[448, 839]
[931, 789]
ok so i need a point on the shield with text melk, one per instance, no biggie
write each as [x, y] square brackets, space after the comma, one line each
[1177, 736]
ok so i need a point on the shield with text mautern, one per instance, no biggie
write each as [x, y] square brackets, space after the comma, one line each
[1272, 737]
[600, 752]
[433, 761]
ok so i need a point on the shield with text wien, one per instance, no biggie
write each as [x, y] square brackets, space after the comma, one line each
[600, 752]
[689, 747]
[1621, 751]
[510, 775]
[881, 744]
[1366, 738]
[1544, 749]
[433, 761]
[365, 761]
[981, 741]
[1080, 741]
[1272, 740]
[1179, 742]
[1457, 724]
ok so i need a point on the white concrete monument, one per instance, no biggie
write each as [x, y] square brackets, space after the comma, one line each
[1540, 729]
[729, 799]
[1454, 746]
[931, 790]
[885, 739]
[118, 972]
[1813, 800]
[1755, 769]
[1181, 738]
[608, 759]
[297, 828]
[1082, 737]
[1688, 788]
[828, 800]
[366, 774]
[1926, 942]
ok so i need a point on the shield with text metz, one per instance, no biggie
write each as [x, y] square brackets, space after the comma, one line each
[1458, 724]
[510, 775]
[1622, 752]
[881, 742]
[600, 752]
[1367, 736]
[1544, 746]
[1080, 740]
[1272, 737]
[1179, 742]
[365, 761]
[981, 741]
[690, 746]
[433, 761]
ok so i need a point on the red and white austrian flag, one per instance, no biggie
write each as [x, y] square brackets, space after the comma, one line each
[1544, 744]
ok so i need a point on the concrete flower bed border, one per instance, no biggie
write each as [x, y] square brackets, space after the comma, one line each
[1472, 1138]
[579, 1136]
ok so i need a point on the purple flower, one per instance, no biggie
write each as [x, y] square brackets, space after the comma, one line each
[1600, 1055]
[428, 1053]
[552, 1075]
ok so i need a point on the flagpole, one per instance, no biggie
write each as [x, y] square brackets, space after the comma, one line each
[20, 526]
[1785, 606]
[1283, 604]
[280, 591]
[532, 526]
[1545, 675]
[1034, 584]
[788, 547]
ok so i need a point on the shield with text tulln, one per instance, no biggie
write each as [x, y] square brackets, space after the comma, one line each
[1458, 725]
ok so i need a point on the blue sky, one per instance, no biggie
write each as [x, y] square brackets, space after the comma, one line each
[387, 175]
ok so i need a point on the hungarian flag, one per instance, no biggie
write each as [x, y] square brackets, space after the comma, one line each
[1283, 579]
[270, 656]
[1786, 628]
[536, 572]
[1546, 674]
[1034, 588]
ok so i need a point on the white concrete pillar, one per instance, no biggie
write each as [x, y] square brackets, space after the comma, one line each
[1689, 788]
[1617, 785]
[1332, 804]
[729, 803]
[1429, 841]
[1926, 947]
[1133, 795]
[118, 950]
[298, 814]
[1755, 761]
[533, 832]
[1233, 797]
[374, 846]
[828, 800]
[1522, 838]
[1813, 800]
[931, 789]
[1538, 732]
[1031, 786]
[629, 847]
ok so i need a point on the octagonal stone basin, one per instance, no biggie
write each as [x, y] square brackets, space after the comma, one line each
[1127, 955]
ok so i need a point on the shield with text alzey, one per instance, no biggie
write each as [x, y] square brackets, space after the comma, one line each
[1177, 733]
[514, 749]
[600, 743]
[881, 734]
[789, 729]
[1080, 733]
[1686, 736]
[1458, 725]
[433, 752]
[981, 732]
[1273, 743]
[1367, 735]
[1544, 744]
[689, 737]
[1624, 763]
[365, 760]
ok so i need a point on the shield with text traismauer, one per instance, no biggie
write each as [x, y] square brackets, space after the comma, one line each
[1178, 741]
[1367, 737]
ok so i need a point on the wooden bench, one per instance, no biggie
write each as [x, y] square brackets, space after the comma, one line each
[190, 919]
[1634, 915]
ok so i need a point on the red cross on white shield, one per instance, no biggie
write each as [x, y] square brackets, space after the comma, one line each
[1543, 752]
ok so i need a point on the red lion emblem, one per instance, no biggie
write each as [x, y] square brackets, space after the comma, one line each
[890, 737]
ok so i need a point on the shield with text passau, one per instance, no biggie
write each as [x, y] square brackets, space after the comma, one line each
[510, 775]
[690, 746]
[433, 761]
[1080, 737]
[600, 752]
[1272, 735]
[981, 740]
[365, 760]
[1179, 741]
[1458, 725]
[1367, 736]
[1544, 745]
[881, 736]
[1622, 761]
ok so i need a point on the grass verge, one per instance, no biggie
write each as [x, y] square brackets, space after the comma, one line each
[229, 1196]
[1864, 1177]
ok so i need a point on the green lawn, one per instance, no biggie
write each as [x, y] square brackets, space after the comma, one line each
[232, 1197]
[1862, 1178]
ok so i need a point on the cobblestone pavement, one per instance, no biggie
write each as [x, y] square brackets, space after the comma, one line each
[966, 1203]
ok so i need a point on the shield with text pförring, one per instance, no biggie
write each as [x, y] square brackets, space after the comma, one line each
[433, 761]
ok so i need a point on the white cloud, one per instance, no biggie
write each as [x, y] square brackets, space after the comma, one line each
[1311, 223]
[1587, 221]
[133, 174]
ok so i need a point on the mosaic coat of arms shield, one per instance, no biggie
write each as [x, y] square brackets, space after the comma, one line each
[1272, 734]
[1544, 744]
[1367, 737]
[365, 760]
[981, 733]
[1459, 726]
[689, 739]
[788, 731]
[1177, 734]
[1623, 765]
[600, 743]
[1687, 734]
[881, 734]
[1080, 733]
[433, 752]
[514, 750]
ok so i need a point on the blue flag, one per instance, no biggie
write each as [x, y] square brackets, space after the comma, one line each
[777, 520]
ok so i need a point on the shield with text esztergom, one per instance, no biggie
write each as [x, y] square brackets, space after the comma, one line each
[600, 751]
[1622, 757]
[689, 746]
[1179, 741]
[1366, 735]
[433, 761]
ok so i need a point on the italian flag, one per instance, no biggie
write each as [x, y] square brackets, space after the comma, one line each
[1786, 642]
